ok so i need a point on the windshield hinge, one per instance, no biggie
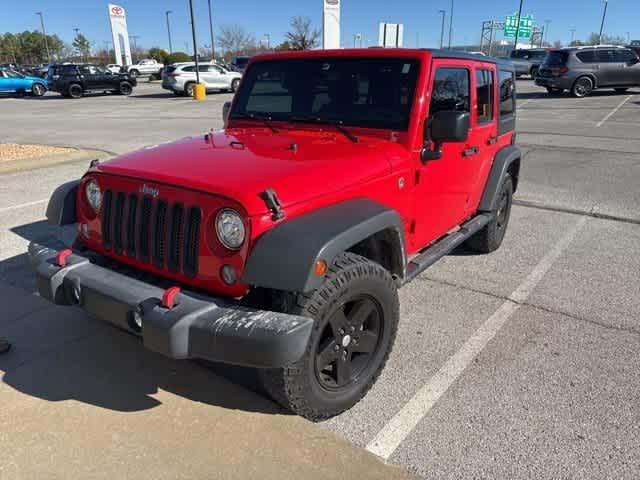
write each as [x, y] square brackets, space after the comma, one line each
[273, 203]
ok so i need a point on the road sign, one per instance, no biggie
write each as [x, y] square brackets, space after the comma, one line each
[511, 25]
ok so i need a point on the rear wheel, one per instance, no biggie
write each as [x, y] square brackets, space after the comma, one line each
[534, 72]
[582, 87]
[134, 73]
[490, 237]
[75, 90]
[125, 88]
[38, 90]
[356, 313]
[234, 84]
[188, 89]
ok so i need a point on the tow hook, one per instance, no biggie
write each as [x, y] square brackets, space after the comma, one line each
[272, 202]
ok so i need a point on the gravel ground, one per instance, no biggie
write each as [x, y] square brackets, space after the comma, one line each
[13, 151]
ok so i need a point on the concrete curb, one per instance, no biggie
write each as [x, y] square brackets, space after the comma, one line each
[34, 163]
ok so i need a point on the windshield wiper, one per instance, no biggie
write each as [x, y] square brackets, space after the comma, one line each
[338, 124]
[264, 119]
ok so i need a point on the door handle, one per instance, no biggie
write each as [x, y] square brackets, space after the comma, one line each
[470, 152]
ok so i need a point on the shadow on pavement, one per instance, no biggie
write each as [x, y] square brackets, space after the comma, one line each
[59, 353]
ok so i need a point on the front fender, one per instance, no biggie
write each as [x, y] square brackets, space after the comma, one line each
[285, 256]
[61, 209]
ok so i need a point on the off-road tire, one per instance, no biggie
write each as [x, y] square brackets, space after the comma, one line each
[490, 237]
[582, 87]
[75, 90]
[297, 387]
[125, 88]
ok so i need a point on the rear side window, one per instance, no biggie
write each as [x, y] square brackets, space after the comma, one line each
[556, 59]
[450, 90]
[507, 93]
[484, 92]
[169, 69]
[189, 69]
[588, 56]
[539, 54]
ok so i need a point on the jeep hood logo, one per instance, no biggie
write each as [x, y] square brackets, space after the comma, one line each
[147, 190]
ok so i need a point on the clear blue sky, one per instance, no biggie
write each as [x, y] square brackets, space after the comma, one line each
[146, 18]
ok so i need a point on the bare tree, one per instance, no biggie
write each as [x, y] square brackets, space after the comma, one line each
[235, 40]
[301, 36]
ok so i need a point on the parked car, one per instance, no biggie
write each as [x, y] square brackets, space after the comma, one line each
[74, 80]
[581, 70]
[527, 61]
[281, 241]
[12, 81]
[239, 63]
[114, 68]
[147, 66]
[635, 46]
[181, 78]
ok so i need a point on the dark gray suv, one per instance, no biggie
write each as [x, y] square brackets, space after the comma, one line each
[583, 69]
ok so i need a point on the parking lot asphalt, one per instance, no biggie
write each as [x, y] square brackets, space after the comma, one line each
[520, 364]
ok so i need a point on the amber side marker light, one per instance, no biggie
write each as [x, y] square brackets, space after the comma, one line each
[320, 268]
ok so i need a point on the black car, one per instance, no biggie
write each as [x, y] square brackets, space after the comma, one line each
[583, 69]
[74, 80]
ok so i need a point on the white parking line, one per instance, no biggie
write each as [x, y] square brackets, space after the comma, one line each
[526, 102]
[403, 422]
[612, 112]
[23, 205]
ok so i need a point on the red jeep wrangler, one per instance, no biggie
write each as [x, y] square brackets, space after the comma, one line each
[280, 241]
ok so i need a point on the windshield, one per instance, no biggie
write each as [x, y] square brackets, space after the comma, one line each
[365, 92]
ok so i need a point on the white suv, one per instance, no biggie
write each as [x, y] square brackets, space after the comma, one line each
[180, 78]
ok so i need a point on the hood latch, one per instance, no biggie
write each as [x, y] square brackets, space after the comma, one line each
[272, 202]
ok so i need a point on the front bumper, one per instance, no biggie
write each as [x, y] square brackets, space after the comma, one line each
[209, 328]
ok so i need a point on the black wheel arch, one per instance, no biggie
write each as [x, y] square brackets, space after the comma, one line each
[506, 162]
[284, 257]
[61, 209]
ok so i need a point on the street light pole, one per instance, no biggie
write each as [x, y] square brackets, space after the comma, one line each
[213, 49]
[443, 13]
[268, 35]
[573, 36]
[44, 34]
[604, 14]
[195, 43]
[515, 42]
[169, 30]
[546, 32]
[450, 24]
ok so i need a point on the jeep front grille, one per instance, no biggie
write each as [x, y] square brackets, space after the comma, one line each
[146, 229]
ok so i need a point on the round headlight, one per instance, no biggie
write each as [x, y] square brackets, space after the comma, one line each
[230, 228]
[94, 195]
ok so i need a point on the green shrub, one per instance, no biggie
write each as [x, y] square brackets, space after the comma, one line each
[177, 57]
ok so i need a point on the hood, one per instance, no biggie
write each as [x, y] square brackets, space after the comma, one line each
[35, 79]
[241, 163]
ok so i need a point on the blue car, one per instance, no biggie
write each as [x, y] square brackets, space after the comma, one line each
[11, 81]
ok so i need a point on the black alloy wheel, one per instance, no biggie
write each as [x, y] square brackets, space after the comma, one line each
[125, 88]
[349, 340]
[234, 84]
[75, 91]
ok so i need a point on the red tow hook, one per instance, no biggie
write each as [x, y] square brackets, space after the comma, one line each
[168, 297]
[61, 257]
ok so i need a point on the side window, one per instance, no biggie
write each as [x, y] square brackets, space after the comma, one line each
[507, 91]
[214, 69]
[189, 69]
[450, 91]
[588, 56]
[623, 56]
[84, 70]
[605, 56]
[484, 93]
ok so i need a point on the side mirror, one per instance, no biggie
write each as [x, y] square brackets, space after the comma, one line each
[225, 111]
[445, 126]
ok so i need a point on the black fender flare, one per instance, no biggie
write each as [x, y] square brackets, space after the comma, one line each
[502, 162]
[284, 257]
[61, 209]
